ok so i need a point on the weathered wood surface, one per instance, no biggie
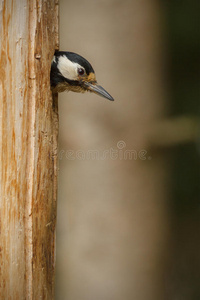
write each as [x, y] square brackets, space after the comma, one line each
[28, 149]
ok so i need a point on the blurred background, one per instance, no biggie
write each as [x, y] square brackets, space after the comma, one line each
[128, 222]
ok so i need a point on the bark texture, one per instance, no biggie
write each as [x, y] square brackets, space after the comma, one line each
[28, 149]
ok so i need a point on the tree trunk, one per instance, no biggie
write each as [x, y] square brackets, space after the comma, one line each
[28, 149]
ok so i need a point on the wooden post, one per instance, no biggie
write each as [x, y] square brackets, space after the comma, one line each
[28, 149]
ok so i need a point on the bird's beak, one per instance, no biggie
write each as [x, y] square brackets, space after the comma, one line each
[95, 88]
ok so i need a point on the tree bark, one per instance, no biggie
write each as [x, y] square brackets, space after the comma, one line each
[28, 149]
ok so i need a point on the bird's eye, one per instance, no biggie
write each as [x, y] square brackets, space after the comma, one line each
[81, 71]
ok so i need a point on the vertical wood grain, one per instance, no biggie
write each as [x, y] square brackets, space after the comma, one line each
[28, 149]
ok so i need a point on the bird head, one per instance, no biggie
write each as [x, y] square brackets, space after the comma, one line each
[72, 72]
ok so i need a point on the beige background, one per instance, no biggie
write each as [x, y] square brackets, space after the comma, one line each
[112, 224]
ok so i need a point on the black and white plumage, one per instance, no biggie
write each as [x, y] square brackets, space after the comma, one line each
[72, 72]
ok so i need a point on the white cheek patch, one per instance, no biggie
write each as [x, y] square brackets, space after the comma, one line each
[67, 68]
